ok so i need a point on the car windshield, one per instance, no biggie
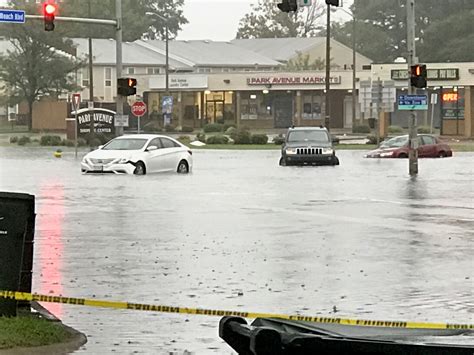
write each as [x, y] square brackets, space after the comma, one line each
[125, 144]
[308, 136]
[396, 142]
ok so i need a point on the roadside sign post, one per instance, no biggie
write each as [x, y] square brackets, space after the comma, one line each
[76, 101]
[167, 107]
[434, 101]
[138, 110]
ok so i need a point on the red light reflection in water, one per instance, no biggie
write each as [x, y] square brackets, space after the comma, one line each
[49, 244]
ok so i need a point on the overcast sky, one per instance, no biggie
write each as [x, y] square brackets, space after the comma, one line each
[219, 19]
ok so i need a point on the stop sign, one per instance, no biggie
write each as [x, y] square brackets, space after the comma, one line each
[139, 108]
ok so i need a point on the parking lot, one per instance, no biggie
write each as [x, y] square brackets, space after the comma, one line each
[362, 239]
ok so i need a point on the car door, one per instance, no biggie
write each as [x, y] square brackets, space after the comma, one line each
[427, 148]
[154, 158]
[171, 154]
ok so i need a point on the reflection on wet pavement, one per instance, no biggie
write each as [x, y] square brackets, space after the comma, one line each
[243, 233]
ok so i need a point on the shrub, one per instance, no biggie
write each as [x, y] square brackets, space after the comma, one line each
[48, 140]
[201, 137]
[227, 126]
[424, 129]
[151, 127]
[259, 139]
[95, 142]
[67, 143]
[170, 128]
[361, 129]
[102, 138]
[217, 139]
[23, 140]
[81, 142]
[184, 139]
[229, 131]
[187, 129]
[13, 139]
[395, 129]
[213, 127]
[279, 140]
[241, 136]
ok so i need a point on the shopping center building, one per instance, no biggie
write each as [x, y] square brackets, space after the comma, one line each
[251, 83]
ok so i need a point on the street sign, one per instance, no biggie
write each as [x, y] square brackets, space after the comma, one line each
[139, 108]
[121, 121]
[434, 98]
[12, 16]
[413, 102]
[90, 105]
[76, 101]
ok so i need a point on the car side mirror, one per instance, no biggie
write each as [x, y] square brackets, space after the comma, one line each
[152, 148]
[100, 146]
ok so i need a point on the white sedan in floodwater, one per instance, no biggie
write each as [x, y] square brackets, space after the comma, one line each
[139, 154]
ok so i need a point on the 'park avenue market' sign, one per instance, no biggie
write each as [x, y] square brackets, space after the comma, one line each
[291, 80]
[103, 120]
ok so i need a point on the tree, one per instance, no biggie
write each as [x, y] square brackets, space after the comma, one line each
[442, 27]
[302, 62]
[38, 64]
[265, 20]
[137, 17]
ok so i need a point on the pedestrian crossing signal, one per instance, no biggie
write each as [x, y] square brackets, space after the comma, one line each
[418, 76]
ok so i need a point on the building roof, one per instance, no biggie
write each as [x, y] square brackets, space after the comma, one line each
[213, 53]
[279, 49]
[103, 51]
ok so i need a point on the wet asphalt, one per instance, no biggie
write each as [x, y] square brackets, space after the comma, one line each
[360, 240]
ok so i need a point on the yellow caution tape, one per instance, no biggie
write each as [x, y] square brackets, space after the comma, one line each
[21, 296]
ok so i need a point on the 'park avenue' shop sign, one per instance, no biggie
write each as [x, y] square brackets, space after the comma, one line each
[103, 120]
[291, 80]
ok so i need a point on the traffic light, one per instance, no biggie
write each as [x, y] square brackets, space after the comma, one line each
[418, 76]
[332, 2]
[288, 6]
[127, 86]
[49, 11]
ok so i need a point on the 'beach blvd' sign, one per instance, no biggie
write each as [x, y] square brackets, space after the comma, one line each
[103, 120]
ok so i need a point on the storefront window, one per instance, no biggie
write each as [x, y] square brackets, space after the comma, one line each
[453, 104]
[256, 105]
[312, 106]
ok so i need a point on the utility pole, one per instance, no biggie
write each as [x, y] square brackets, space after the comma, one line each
[118, 42]
[354, 69]
[327, 121]
[413, 139]
[91, 76]
[167, 68]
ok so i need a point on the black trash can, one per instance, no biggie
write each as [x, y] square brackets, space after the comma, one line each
[17, 219]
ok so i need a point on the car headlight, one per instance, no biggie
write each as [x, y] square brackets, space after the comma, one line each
[328, 151]
[290, 150]
[386, 154]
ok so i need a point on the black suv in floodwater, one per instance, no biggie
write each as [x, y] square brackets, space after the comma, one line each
[308, 146]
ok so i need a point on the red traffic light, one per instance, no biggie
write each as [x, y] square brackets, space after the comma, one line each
[49, 9]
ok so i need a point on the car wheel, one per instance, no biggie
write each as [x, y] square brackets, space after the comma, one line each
[282, 161]
[183, 167]
[335, 160]
[402, 155]
[442, 154]
[140, 169]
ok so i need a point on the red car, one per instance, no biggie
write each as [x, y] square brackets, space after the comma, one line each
[397, 147]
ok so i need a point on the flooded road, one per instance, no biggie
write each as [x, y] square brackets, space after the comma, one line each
[242, 233]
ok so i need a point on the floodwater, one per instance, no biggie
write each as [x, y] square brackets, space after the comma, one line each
[360, 240]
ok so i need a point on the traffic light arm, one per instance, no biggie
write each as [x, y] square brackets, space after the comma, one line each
[94, 21]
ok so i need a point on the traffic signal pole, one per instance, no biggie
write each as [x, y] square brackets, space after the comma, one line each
[327, 119]
[118, 69]
[413, 141]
